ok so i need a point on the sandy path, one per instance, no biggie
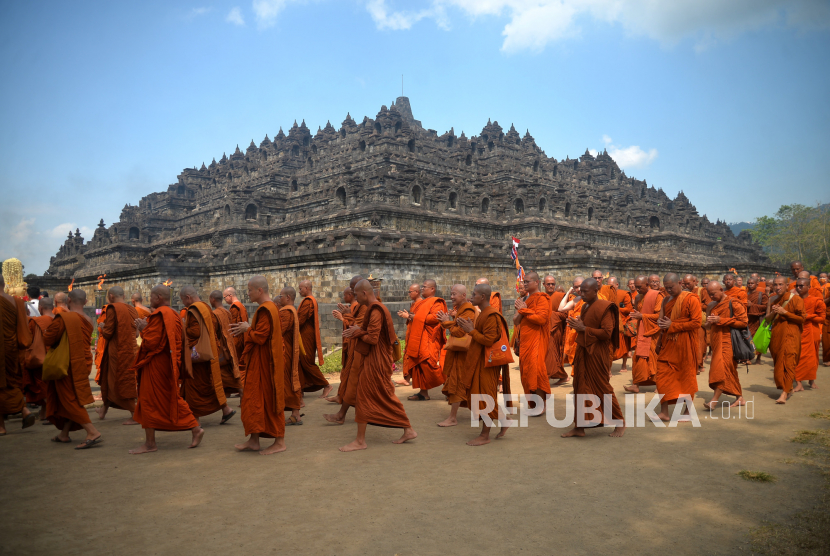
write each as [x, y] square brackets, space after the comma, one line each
[655, 490]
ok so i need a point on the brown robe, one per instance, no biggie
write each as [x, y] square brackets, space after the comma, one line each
[311, 377]
[424, 343]
[202, 382]
[263, 403]
[14, 336]
[228, 357]
[825, 332]
[118, 386]
[238, 314]
[785, 339]
[723, 371]
[485, 380]
[814, 314]
[756, 309]
[348, 389]
[554, 358]
[66, 397]
[291, 352]
[534, 331]
[34, 388]
[644, 364]
[677, 360]
[457, 374]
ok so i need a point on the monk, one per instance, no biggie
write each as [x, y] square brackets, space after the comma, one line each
[312, 378]
[292, 349]
[118, 386]
[690, 285]
[345, 318]
[624, 306]
[60, 303]
[350, 315]
[677, 343]
[487, 329]
[376, 403]
[825, 332]
[414, 296]
[814, 315]
[228, 358]
[425, 339]
[66, 397]
[785, 316]
[571, 304]
[238, 314]
[647, 306]
[263, 404]
[556, 339]
[731, 288]
[157, 366]
[34, 387]
[495, 297]
[137, 301]
[15, 335]
[100, 344]
[632, 289]
[457, 375]
[756, 309]
[654, 282]
[202, 380]
[739, 282]
[723, 372]
[597, 330]
[534, 334]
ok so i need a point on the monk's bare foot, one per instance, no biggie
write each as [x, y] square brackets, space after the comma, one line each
[501, 389]
[402, 383]
[632, 388]
[479, 440]
[326, 391]
[248, 446]
[408, 434]
[102, 413]
[739, 401]
[502, 432]
[336, 399]
[130, 421]
[712, 405]
[197, 438]
[334, 418]
[813, 385]
[574, 432]
[782, 399]
[618, 432]
[560, 382]
[448, 422]
[275, 448]
[353, 446]
[799, 388]
[663, 417]
[145, 449]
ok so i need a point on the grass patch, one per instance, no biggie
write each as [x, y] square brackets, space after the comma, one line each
[821, 414]
[758, 476]
[334, 362]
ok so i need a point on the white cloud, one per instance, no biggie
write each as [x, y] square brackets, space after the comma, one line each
[235, 16]
[196, 12]
[628, 157]
[266, 11]
[31, 244]
[398, 20]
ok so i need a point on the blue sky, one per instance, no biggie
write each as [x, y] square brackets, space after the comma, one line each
[103, 103]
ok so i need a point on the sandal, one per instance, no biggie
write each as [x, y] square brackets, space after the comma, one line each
[293, 421]
[226, 418]
[417, 397]
[89, 443]
[29, 420]
[59, 441]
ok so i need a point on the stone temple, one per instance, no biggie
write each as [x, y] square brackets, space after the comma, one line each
[389, 198]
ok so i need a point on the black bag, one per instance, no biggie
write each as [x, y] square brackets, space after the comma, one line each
[743, 350]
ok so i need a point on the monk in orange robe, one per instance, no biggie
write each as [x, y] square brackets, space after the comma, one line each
[756, 309]
[677, 343]
[785, 315]
[118, 386]
[292, 349]
[34, 388]
[732, 289]
[238, 314]
[100, 344]
[597, 331]
[376, 403]
[647, 306]
[14, 336]
[624, 306]
[66, 397]
[414, 296]
[654, 283]
[554, 357]
[534, 334]
[137, 301]
[487, 329]
[345, 313]
[228, 358]
[350, 315]
[425, 339]
[571, 305]
[157, 367]
[723, 371]
[308, 313]
[495, 297]
[60, 303]
[814, 315]
[690, 285]
[457, 374]
[825, 330]
[202, 379]
[263, 404]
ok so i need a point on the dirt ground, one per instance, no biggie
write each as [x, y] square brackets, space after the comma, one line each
[656, 490]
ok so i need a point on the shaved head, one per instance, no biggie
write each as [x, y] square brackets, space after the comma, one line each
[714, 285]
[305, 288]
[189, 291]
[161, 291]
[289, 292]
[45, 303]
[215, 295]
[116, 291]
[305, 283]
[612, 281]
[60, 298]
[461, 288]
[363, 286]
[671, 277]
[77, 295]
[364, 292]
[482, 281]
[590, 283]
[136, 296]
[353, 282]
[804, 274]
[431, 283]
[483, 289]
[259, 282]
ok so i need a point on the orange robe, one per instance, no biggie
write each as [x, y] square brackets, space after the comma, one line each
[554, 359]
[425, 338]
[238, 314]
[534, 331]
[311, 377]
[723, 371]
[347, 389]
[592, 359]
[291, 357]
[703, 332]
[677, 362]
[376, 402]
[495, 301]
[736, 293]
[34, 387]
[201, 382]
[489, 327]
[815, 287]
[825, 332]
[142, 312]
[100, 344]
[624, 306]
[66, 397]
[644, 364]
[756, 309]
[58, 310]
[117, 376]
[814, 314]
[263, 403]
[228, 358]
[157, 366]
[457, 373]
[14, 336]
[570, 333]
[785, 340]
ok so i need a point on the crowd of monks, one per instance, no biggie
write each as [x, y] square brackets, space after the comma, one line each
[170, 369]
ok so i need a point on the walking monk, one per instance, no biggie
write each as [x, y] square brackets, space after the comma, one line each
[138, 303]
[202, 380]
[157, 367]
[731, 288]
[814, 314]
[14, 336]
[597, 337]
[534, 334]
[34, 388]
[825, 331]
[624, 306]
[495, 297]
[312, 378]
[60, 303]
[487, 332]
[414, 296]
[690, 285]
[238, 314]
[118, 387]
[785, 316]
[457, 373]
[263, 404]
[376, 403]
[66, 397]
[228, 358]
[756, 308]
[351, 315]
[723, 371]
[553, 358]
[343, 314]
[425, 339]
[646, 311]
[571, 305]
[292, 349]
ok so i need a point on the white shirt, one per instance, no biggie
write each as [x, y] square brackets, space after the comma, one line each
[31, 307]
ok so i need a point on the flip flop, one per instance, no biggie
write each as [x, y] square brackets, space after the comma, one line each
[59, 441]
[291, 421]
[417, 397]
[29, 421]
[226, 418]
[89, 443]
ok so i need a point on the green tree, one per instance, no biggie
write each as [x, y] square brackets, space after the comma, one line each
[797, 232]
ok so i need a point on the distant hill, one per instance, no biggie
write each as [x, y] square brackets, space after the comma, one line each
[738, 227]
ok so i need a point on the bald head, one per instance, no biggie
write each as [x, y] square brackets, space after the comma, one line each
[458, 295]
[414, 292]
[671, 282]
[115, 295]
[364, 293]
[188, 295]
[77, 297]
[531, 282]
[549, 284]
[45, 306]
[161, 291]
[353, 282]
[348, 295]
[290, 292]
[654, 281]
[215, 299]
[305, 288]
[612, 281]
[482, 281]
[428, 288]
[578, 281]
[60, 299]
[484, 290]
[715, 290]
[804, 274]
[136, 297]
[259, 282]
[258, 289]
